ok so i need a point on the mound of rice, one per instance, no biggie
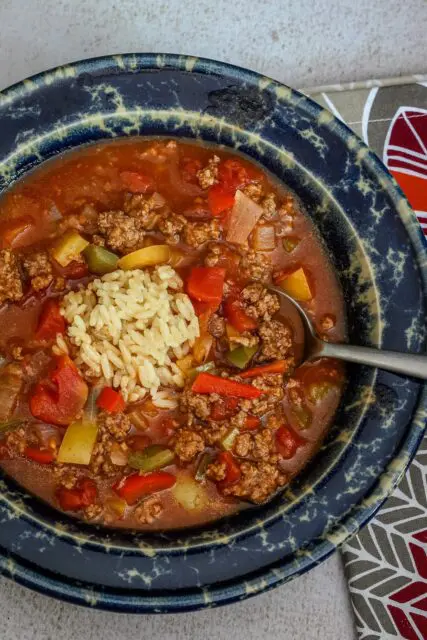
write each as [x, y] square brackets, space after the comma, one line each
[129, 328]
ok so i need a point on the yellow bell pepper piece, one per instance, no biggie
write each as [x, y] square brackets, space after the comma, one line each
[185, 363]
[69, 247]
[296, 285]
[147, 257]
[78, 443]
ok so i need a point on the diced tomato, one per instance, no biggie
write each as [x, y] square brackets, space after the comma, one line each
[278, 366]
[224, 408]
[233, 175]
[13, 230]
[202, 308]
[288, 441]
[42, 456]
[138, 442]
[135, 487]
[59, 398]
[206, 284]
[75, 270]
[190, 169]
[232, 473]
[220, 199]
[82, 495]
[207, 383]
[51, 321]
[251, 423]
[237, 316]
[110, 400]
[137, 182]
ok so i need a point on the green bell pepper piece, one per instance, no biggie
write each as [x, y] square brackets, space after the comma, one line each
[99, 260]
[155, 456]
[241, 356]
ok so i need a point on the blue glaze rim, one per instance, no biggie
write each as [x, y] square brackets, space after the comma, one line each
[267, 576]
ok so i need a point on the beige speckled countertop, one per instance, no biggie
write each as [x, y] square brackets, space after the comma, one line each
[303, 43]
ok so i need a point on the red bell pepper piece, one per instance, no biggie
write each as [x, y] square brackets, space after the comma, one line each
[206, 284]
[135, 487]
[232, 174]
[204, 308]
[232, 473]
[220, 199]
[207, 383]
[50, 321]
[279, 366]
[110, 400]
[82, 495]
[224, 408]
[288, 441]
[42, 456]
[251, 423]
[237, 317]
[137, 182]
[59, 398]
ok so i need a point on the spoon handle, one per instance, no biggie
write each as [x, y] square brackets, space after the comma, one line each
[410, 364]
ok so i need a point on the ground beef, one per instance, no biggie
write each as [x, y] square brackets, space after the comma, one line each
[216, 326]
[259, 302]
[67, 475]
[276, 341]
[39, 269]
[145, 209]
[93, 512]
[171, 225]
[16, 441]
[197, 403]
[214, 432]
[216, 471]
[255, 266]
[209, 174]
[257, 482]
[269, 207]
[197, 233]
[148, 511]
[116, 424]
[260, 445]
[121, 232]
[286, 213]
[254, 191]
[246, 339]
[273, 386]
[112, 431]
[188, 444]
[85, 221]
[10, 277]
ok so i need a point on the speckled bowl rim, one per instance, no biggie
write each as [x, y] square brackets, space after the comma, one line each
[359, 514]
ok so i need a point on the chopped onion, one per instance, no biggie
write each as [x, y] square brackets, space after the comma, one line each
[91, 409]
[54, 214]
[264, 238]
[46, 433]
[118, 456]
[244, 216]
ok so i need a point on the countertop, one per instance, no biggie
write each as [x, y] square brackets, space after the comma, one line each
[302, 43]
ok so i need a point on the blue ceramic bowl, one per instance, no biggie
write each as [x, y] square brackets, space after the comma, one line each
[377, 248]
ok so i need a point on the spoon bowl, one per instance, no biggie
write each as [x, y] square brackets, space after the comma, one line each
[313, 347]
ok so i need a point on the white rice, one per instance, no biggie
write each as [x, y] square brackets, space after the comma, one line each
[129, 328]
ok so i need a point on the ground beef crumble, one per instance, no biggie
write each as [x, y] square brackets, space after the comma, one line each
[258, 481]
[256, 266]
[188, 444]
[10, 277]
[38, 267]
[209, 174]
[259, 302]
[121, 232]
[195, 234]
[276, 341]
[112, 431]
[216, 326]
[148, 511]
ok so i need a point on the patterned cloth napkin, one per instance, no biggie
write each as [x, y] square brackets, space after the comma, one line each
[386, 563]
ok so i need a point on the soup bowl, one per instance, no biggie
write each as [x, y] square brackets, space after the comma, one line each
[376, 246]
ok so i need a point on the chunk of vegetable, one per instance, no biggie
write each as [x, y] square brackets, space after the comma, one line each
[317, 391]
[227, 442]
[137, 182]
[207, 366]
[100, 260]
[264, 237]
[206, 284]
[82, 495]
[237, 316]
[207, 383]
[232, 469]
[251, 423]
[202, 466]
[190, 494]
[290, 243]
[110, 400]
[220, 199]
[288, 441]
[91, 409]
[51, 321]
[58, 399]
[75, 270]
[13, 230]
[296, 285]
[202, 347]
[134, 487]
[278, 366]
[137, 419]
[185, 364]
[241, 356]
[42, 456]
[78, 443]
[243, 218]
[303, 416]
[117, 506]
[224, 408]
[147, 257]
[151, 458]
[69, 247]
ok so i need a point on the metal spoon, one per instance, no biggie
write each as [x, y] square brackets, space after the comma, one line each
[411, 364]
